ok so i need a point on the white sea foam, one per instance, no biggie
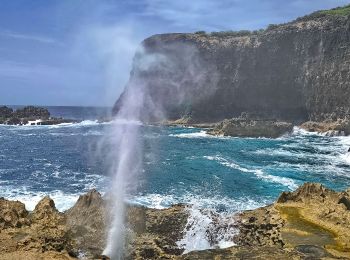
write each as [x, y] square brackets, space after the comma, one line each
[63, 201]
[34, 122]
[201, 134]
[80, 124]
[155, 201]
[195, 237]
[161, 201]
[257, 172]
[201, 231]
[206, 229]
[299, 131]
[345, 158]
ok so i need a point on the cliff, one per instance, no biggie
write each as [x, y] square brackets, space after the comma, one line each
[296, 71]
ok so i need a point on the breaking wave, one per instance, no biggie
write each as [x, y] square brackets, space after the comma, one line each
[291, 184]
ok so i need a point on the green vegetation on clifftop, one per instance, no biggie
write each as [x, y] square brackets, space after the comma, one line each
[345, 10]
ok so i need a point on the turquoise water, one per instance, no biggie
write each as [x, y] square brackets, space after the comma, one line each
[181, 165]
[230, 174]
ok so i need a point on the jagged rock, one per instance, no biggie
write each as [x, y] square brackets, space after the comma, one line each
[312, 214]
[306, 191]
[12, 214]
[251, 128]
[45, 209]
[5, 112]
[32, 112]
[86, 222]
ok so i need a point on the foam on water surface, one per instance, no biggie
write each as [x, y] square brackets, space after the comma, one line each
[201, 134]
[221, 175]
[291, 184]
[63, 201]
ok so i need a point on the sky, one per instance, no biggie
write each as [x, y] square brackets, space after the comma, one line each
[79, 52]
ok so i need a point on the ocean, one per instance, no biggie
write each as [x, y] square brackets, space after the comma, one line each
[180, 165]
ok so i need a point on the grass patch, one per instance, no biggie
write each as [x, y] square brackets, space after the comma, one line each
[343, 11]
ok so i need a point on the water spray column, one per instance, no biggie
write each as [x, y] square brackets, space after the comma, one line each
[126, 165]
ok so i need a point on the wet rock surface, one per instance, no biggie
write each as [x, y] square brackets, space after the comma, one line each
[155, 232]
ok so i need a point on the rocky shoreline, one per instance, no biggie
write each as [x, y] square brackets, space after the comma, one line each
[30, 115]
[339, 127]
[269, 128]
[312, 222]
[242, 127]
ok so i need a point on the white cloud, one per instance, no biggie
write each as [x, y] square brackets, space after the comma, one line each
[27, 37]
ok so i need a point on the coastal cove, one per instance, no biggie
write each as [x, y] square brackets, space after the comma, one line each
[226, 175]
[208, 145]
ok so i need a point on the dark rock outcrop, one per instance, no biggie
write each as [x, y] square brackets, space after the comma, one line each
[5, 112]
[23, 116]
[251, 128]
[32, 112]
[295, 71]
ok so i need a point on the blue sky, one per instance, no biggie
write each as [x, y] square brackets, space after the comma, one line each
[79, 52]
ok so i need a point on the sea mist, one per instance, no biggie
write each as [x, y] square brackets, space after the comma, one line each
[125, 160]
[161, 79]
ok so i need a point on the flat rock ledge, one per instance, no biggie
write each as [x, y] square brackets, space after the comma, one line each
[243, 127]
[312, 222]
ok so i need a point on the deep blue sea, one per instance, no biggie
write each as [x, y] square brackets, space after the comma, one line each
[181, 165]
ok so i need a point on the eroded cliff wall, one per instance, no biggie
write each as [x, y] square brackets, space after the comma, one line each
[294, 71]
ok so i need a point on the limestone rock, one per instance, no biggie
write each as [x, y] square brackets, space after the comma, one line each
[12, 214]
[86, 222]
[339, 127]
[156, 232]
[306, 191]
[312, 222]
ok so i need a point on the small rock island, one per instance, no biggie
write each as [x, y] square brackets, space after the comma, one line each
[29, 115]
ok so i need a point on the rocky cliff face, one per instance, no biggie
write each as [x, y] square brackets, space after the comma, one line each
[294, 71]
